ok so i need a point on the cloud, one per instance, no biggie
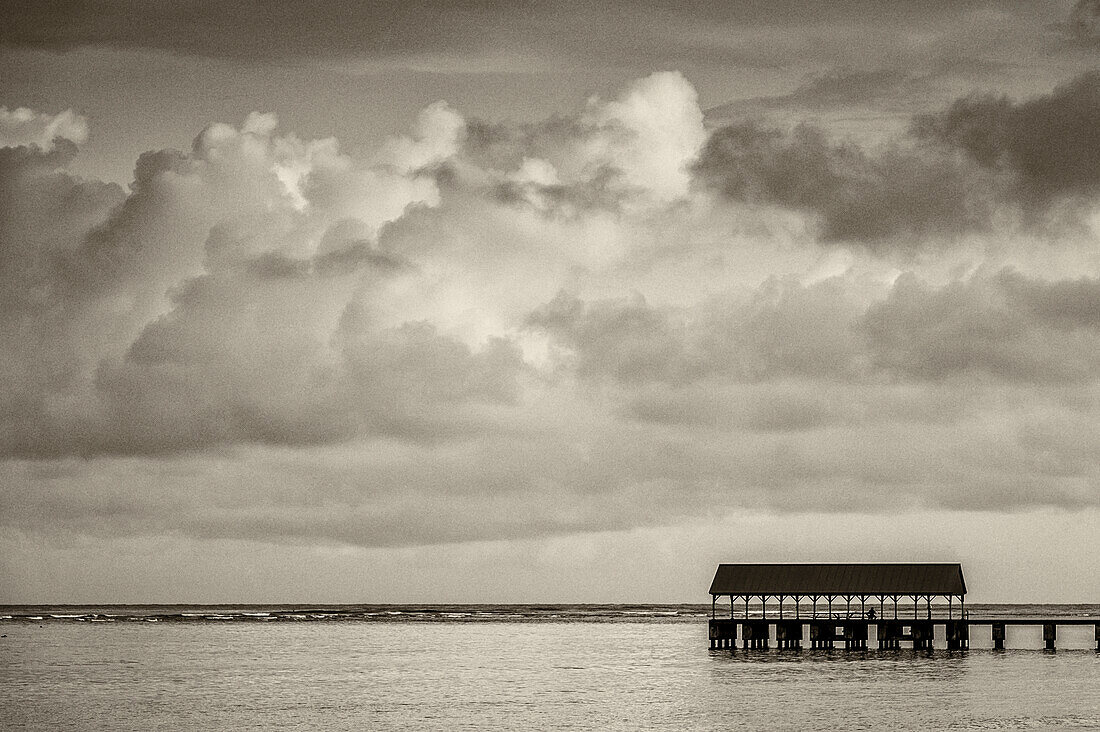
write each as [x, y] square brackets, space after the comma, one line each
[1049, 144]
[664, 127]
[838, 88]
[781, 330]
[1007, 326]
[228, 298]
[1023, 165]
[487, 330]
[442, 37]
[638, 144]
[22, 126]
[844, 96]
[1082, 28]
[901, 197]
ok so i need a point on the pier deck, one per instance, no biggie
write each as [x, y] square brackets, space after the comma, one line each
[845, 600]
[854, 633]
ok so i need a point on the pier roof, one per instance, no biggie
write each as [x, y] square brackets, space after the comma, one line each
[838, 579]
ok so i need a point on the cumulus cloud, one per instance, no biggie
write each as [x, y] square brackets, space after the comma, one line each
[227, 298]
[639, 144]
[781, 330]
[22, 126]
[486, 330]
[663, 127]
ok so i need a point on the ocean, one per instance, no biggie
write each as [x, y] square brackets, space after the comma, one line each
[512, 667]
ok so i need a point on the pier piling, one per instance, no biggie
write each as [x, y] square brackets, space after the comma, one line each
[958, 635]
[755, 633]
[788, 634]
[1050, 634]
[889, 635]
[822, 634]
[855, 635]
[922, 634]
[998, 636]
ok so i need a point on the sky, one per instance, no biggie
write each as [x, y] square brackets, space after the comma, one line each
[545, 302]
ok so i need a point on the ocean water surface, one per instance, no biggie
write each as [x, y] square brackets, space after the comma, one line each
[511, 668]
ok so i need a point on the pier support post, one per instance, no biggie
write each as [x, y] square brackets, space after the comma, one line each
[723, 633]
[922, 635]
[855, 635]
[788, 634]
[889, 632]
[998, 636]
[755, 633]
[1050, 634]
[822, 633]
[1096, 633]
[958, 634]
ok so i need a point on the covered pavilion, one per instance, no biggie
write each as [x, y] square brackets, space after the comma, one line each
[829, 583]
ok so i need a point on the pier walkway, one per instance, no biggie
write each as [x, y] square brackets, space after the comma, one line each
[855, 633]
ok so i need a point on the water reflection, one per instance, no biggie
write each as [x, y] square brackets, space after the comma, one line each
[899, 665]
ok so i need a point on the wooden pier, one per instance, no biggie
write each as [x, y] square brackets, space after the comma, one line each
[854, 633]
[898, 589]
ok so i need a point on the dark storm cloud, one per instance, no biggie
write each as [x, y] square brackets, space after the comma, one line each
[1082, 28]
[893, 199]
[1020, 155]
[326, 29]
[660, 32]
[1049, 144]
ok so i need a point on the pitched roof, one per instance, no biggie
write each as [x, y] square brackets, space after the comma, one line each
[838, 579]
